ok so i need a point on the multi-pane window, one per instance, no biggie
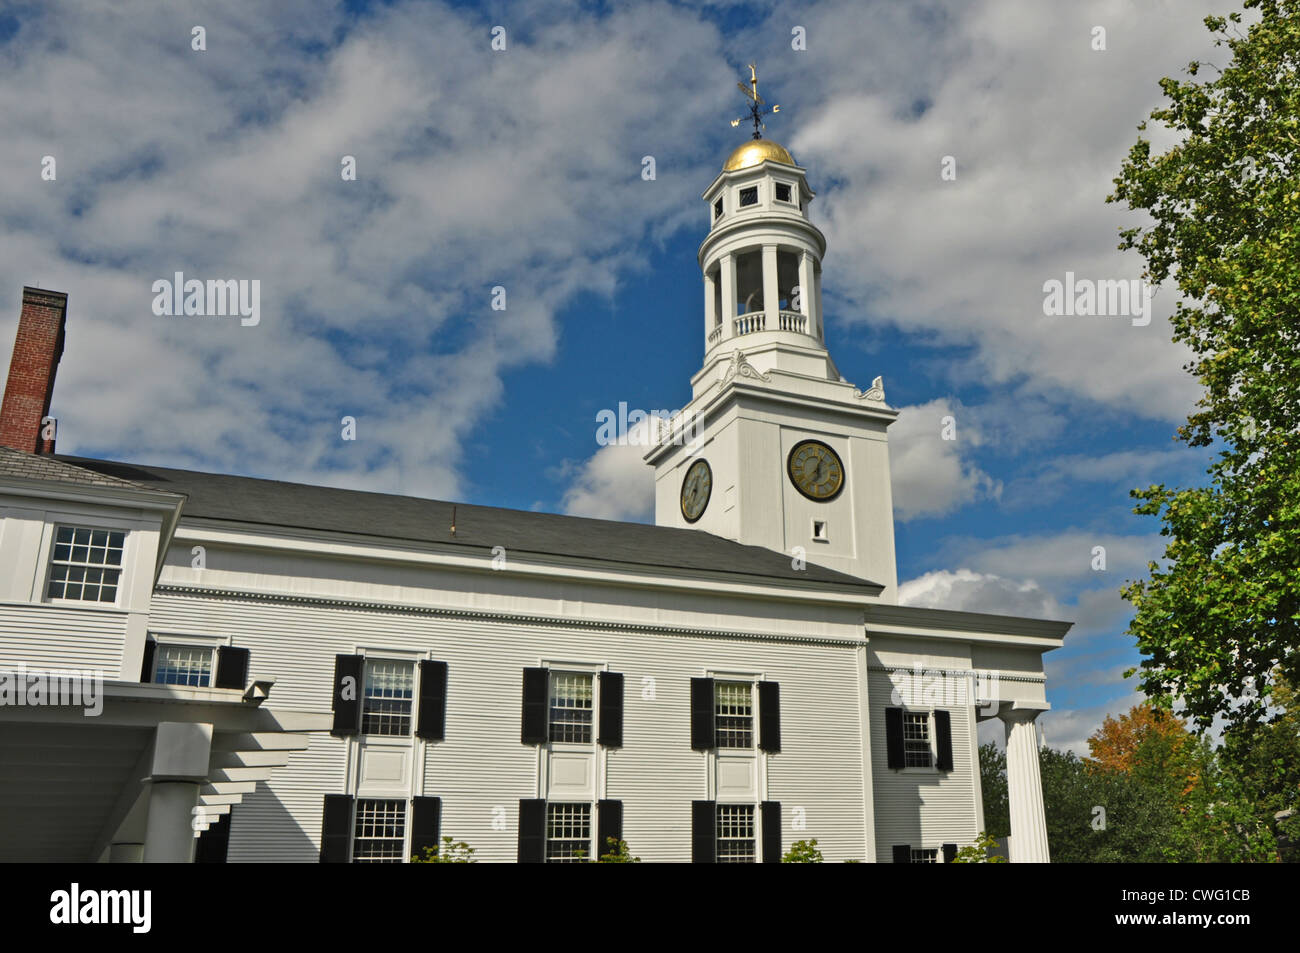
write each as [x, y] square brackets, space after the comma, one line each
[925, 855]
[916, 739]
[571, 707]
[568, 833]
[390, 688]
[749, 196]
[734, 714]
[86, 564]
[736, 834]
[380, 832]
[189, 665]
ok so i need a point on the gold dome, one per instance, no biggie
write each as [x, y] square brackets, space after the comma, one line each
[754, 152]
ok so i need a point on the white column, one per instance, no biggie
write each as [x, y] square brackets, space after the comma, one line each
[169, 836]
[1025, 788]
[817, 303]
[180, 763]
[710, 313]
[728, 270]
[771, 293]
[807, 293]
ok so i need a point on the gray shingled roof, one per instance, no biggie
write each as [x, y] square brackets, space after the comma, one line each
[32, 466]
[214, 496]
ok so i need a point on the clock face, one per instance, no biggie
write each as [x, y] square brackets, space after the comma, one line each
[696, 489]
[815, 470]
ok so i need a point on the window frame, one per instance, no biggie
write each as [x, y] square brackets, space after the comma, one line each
[752, 685]
[74, 522]
[162, 639]
[389, 658]
[554, 673]
[924, 855]
[776, 192]
[590, 818]
[741, 204]
[928, 715]
[570, 667]
[354, 836]
[755, 835]
[719, 209]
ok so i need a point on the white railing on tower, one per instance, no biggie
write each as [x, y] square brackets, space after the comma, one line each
[748, 323]
[793, 321]
[715, 335]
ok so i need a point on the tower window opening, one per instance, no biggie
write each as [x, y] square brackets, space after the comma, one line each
[782, 192]
[749, 196]
[787, 280]
[749, 283]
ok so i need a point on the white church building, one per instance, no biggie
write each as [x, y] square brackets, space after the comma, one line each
[197, 666]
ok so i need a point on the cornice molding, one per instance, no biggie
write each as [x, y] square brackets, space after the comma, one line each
[511, 618]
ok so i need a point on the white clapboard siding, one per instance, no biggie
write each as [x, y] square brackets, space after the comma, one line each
[921, 809]
[482, 765]
[42, 636]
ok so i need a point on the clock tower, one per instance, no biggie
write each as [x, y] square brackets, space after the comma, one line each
[775, 449]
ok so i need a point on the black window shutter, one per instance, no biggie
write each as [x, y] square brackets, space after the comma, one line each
[702, 715]
[610, 732]
[432, 723]
[146, 669]
[771, 831]
[943, 735]
[232, 668]
[537, 688]
[532, 831]
[609, 823]
[336, 829]
[902, 853]
[347, 694]
[894, 736]
[426, 824]
[212, 845]
[949, 853]
[769, 716]
[704, 827]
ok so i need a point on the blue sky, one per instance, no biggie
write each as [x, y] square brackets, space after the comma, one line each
[522, 168]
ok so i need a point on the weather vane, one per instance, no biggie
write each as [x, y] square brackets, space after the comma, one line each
[756, 110]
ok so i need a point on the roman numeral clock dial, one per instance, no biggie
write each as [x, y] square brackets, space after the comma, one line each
[815, 470]
[696, 489]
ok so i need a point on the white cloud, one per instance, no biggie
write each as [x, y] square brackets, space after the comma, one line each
[475, 169]
[1060, 562]
[1038, 124]
[615, 483]
[969, 591]
[930, 475]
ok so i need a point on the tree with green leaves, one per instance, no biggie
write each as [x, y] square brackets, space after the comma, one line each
[1221, 618]
[617, 852]
[450, 852]
[803, 852]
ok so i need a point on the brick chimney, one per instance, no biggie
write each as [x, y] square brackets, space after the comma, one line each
[37, 350]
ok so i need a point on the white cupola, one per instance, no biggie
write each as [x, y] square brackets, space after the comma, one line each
[774, 448]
